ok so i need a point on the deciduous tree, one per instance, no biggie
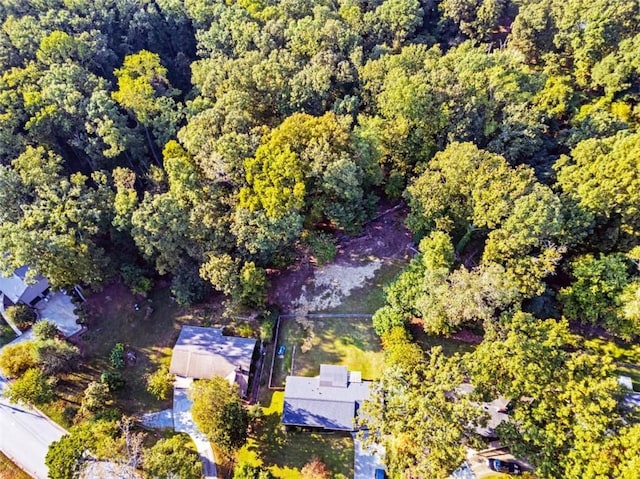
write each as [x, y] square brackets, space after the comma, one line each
[218, 412]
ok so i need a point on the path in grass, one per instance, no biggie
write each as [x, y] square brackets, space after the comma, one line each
[286, 453]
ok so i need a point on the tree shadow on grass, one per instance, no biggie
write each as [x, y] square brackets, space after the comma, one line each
[294, 448]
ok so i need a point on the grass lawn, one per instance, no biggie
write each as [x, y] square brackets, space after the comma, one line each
[6, 333]
[8, 470]
[345, 341]
[286, 453]
[149, 332]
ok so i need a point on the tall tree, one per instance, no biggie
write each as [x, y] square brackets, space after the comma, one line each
[218, 412]
[564, 401]
[416, 415]
[59, 231]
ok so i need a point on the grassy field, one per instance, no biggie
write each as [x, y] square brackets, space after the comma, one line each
[346, 341]
[286, 453]
[8, 470]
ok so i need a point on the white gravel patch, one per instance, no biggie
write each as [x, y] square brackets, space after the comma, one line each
[332, 283]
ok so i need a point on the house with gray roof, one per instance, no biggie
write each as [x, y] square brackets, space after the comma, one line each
[202, 353]
[329, 401]
[20, 287]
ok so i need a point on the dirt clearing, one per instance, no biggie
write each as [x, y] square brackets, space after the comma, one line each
[304, 288]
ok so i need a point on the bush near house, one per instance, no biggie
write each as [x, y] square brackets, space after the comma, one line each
[21, 315]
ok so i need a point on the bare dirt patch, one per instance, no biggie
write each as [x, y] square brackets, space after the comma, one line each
[303, 287]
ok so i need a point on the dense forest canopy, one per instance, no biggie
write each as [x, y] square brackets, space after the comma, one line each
[210, 141]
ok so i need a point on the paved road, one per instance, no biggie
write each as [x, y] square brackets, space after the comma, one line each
[25, 435]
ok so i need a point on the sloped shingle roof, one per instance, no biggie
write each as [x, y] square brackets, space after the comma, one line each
[15, 286]
[202, 353]
[311, 402]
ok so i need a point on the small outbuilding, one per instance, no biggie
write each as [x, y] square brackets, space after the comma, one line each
[329, 401]
[202, 353]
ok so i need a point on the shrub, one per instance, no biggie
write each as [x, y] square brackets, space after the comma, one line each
[15, 359]
[267, 327]
[244, 470]
[116, 356]
[6, 333]
[322, 247]
[32, 388]
[160, 383]
[187, 286]
[56, 356]
[21, 315]
[69, 413]
[387, 318]
[45, 329]
[113, 380]
[253, 285]
[315, 469]
[96, 397]
[245, 330]
[135, 279]
[173, 457]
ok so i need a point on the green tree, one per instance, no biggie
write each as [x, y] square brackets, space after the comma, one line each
[475, 18]
[144, 89]
[218, 412]
[244, 470]
[56, 356]
[593, 295]
[601, 175]
[33, 387]
[160, 383]
[173, 457]
[61, 226]
[96, 396]
[16, 359]
[65, 457]
[414, 415]
[45, 329]
[464, 188]
[21, 315]
[564, 400]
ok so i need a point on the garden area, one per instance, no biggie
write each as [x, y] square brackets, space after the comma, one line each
[286, 453]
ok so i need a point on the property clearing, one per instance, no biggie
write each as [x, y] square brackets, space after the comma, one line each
[333, 283]
[384, 247]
